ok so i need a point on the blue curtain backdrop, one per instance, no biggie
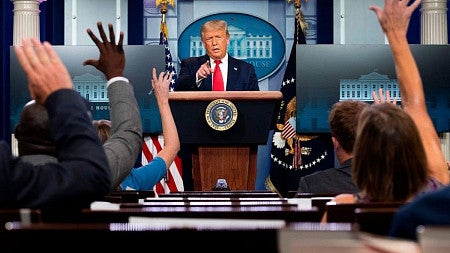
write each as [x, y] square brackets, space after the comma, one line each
[52, 29]
[6, 21]
[52, 22]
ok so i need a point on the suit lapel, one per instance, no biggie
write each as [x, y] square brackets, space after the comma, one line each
[233, 71]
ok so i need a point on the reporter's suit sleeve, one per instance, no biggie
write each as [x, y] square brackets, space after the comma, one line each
[81, 174]
[303, 186]
[125, 143]
[428, 209]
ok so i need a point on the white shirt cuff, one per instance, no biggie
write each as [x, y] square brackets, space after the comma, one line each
[117, 78]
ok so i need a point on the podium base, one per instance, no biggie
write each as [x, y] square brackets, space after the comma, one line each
[235, 164]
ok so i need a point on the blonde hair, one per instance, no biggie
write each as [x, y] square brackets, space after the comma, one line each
[214, 25]
[103, 127]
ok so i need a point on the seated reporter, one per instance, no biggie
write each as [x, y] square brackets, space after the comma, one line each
[147, 176]
[398, 152]
[81, 173]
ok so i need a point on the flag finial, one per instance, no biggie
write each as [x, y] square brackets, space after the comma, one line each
[297, 3]
[164, 4]
[163, 40]
[300, 18]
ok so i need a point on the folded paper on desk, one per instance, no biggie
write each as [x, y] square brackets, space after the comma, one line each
[104, 206]
[209, 224]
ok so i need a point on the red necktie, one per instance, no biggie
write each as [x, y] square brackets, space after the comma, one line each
[218, 80]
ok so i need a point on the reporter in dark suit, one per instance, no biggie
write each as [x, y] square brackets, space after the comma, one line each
[196, 74]
[81, 174]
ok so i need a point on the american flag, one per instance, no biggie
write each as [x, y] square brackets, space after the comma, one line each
[286, 158]
[170, 67]
[288, 164]
[288, 130]
[173, 181]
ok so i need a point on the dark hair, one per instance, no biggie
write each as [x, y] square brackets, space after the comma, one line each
[33, 131]
[389, 161]
[343, 120]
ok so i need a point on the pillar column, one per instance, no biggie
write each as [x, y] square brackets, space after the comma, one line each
[434, 22]
[26, 25]
[434, 31]
[26, 20]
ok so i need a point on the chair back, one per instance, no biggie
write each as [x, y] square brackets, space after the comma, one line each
[375, 220]
[345, 212]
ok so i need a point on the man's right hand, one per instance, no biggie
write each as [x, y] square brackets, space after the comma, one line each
[204, 71]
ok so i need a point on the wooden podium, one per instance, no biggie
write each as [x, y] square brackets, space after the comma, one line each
[230, 154]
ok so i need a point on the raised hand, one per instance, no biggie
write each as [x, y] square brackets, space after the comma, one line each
[396, 15]
[381, 98]
[112, 55]
[161, 85]
[45, 71]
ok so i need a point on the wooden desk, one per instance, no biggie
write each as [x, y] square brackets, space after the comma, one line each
[374, 220]
[211, 202]
[116, 237]
[129, 196]
[221, 194]
[286, 213]
[318, 240]
[313, 199]
[24, 215]
[346, 212]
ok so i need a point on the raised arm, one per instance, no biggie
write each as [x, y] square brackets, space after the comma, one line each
[394, 20]
[81, 174]
[171, 141]
[125, 143]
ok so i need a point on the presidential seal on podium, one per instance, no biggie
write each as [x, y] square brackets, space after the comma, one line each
[221, 114]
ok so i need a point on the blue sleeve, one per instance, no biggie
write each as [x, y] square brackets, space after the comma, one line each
[431, 208]
[403, 226]
[145, 177]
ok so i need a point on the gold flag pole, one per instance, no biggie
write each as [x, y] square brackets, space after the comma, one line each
[299, 16]
[163, 4]
[164, 30]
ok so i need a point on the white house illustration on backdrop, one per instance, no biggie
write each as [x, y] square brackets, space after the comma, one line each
[91, 87]
[361, 88]
[242, 46]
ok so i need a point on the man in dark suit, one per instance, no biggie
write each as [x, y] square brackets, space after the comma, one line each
[197, 74]
[81, 173]
[343, 120]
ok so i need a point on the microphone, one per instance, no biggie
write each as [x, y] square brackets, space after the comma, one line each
[221, 185]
